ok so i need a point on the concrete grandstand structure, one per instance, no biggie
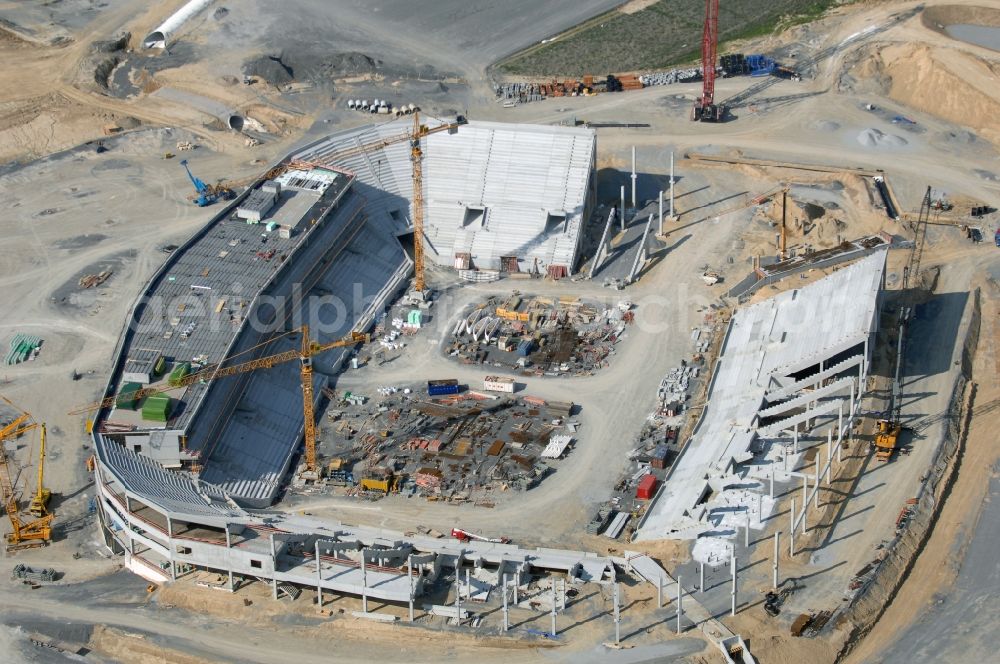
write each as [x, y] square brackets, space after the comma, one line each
[789, 365]
[498, 196]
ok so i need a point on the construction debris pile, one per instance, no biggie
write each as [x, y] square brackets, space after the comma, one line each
[540, 336]
[462, 447]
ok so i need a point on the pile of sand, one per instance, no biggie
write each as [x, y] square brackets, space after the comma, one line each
[874, 138]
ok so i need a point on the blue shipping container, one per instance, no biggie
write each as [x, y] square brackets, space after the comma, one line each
[525, 347]
[440, 387]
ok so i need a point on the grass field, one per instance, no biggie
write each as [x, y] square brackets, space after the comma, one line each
[666, 33]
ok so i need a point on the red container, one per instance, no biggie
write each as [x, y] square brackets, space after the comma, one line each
[646, 488]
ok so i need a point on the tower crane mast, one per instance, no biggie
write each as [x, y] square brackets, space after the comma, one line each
[705, 109]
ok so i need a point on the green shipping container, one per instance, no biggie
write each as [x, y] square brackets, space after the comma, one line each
[178, 374]
[156, 408]
[126, 396]
[160, 366]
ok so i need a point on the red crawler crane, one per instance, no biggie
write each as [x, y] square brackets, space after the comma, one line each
[705, 108]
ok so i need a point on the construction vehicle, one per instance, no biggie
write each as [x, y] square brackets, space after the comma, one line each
[206, 194]
[886, 438]
[212, 372]
[888, 429]
[465, 536]
[40, 501]
[24, 533]
[203, 196]
[705, 109]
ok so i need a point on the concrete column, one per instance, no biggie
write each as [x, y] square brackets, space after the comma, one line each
[816, 480]
[634, 177]
[659, 593]
[229, 564]
[468, 584]
[680, 607]
[774, 579]
[274, 572]
[795, 437]
[409, 575]
[746, 532]
[319, 579]
[458, 593]
[732, 592]
[791, 530]
[772, 482]
[701, 584]
[805, 496]
[623, 208]
[672, 214]
[553, 613]
[506, 611]
[840, 459]
[660, 199]
[517, 582]
[840, 420]
[829, 455]
[562, 595]
[364, 583]
[618, 620]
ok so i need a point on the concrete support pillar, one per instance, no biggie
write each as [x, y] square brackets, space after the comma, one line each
[274, 571]
[772, 482]
[805, 499]
[634, 177]
[562, 595]
[732, 593]
[458, 594]
[673, 215]
[409, 575]
[506, 610]
[701, 581]
[816, 482]
[517, 582]
[618, 619]
[680, 607]
[659, 593]
[840, 420]
[622, 209]
[319, 579]
[660, 199]
[364, 581]
[791, 530]
[774, 570]
[795, 437]
[746, 532]
[553, 612]
[829, 456]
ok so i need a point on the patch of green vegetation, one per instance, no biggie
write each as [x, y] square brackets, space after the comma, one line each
[664, 34]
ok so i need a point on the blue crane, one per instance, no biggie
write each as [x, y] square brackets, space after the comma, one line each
[206, 196]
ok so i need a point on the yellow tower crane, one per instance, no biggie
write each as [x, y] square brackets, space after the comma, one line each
[24, 533]
[304, 354]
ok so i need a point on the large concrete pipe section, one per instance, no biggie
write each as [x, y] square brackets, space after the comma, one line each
[158, 38]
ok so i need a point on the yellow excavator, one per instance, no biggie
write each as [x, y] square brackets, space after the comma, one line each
[886, 438]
